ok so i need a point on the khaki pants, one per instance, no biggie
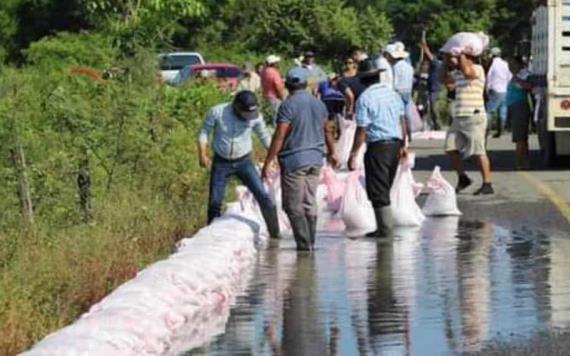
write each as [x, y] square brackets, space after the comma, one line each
[299, 189]
[467, 135]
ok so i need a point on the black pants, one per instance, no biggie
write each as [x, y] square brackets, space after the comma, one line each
[380, 164]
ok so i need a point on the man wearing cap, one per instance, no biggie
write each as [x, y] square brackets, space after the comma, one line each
[299, 142]
[316, 73]
[380, 120]
[403, 76]
[272, 82]
[498, 80]
[232, 124]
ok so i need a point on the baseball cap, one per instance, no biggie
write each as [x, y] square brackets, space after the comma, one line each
[246, 103]
[297, 75]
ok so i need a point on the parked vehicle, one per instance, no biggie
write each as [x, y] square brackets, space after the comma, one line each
[551, 76]
[172, 63]
[226, 75]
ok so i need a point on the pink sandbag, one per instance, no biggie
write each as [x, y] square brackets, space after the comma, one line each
[466, 42]
[335, 188]
[441, 200]
[416, 122]
[403, 195]
[356, 210]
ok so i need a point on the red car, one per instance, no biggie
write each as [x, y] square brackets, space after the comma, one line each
[227, 75]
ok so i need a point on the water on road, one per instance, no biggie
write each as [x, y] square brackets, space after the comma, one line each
[453, 286]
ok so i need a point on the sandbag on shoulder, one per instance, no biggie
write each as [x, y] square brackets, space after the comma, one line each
[441, 200]
[466, 42]
[403, 195]
[356, 210]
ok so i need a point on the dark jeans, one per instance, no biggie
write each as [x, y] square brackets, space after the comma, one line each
[434, 110]
[380, 164]
[244, 169]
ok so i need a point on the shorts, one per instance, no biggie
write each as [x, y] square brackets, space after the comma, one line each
[519, 115]
[467, 135]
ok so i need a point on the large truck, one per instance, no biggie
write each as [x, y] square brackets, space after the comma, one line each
[551, 75]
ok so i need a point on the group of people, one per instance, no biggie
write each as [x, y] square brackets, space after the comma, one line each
[377, 93]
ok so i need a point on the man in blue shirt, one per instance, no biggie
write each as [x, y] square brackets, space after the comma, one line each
[299, 141]
[381, 124]
[232, 124]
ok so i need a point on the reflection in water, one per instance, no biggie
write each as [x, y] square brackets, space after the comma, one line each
[450, 287]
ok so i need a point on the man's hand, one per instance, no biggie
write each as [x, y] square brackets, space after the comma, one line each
[403, 153]
[352, 163]
[333, 159]
[266, 170]
[205, 161]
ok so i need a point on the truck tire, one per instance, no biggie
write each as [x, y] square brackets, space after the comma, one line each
[547, 144]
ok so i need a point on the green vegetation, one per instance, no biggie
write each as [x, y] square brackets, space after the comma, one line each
[98, 159]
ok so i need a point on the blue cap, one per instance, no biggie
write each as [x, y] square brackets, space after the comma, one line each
[297, 75]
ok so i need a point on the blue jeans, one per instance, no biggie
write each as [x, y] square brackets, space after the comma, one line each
[497, 104]
[244, 169]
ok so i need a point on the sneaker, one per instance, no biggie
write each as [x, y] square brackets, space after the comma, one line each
[486, 189]
[464, 182]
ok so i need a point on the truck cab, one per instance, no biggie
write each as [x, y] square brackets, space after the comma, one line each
[551, 77]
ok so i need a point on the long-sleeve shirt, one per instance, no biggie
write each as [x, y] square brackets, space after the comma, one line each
[499, 76]
[232, 135]
[403, 77]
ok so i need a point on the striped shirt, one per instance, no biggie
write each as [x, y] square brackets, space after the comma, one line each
[380, 109]
[469, 93]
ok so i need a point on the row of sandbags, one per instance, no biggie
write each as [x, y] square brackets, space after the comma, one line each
[347, 198]
[173, 305]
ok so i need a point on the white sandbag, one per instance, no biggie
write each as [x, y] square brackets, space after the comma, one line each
[403, 198]
[466, 42]
[356, 210]
[345, 142]
[416, 122]
[441, 200]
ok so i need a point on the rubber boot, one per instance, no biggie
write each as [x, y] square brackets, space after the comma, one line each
[272, 221]
[384, 223]
[301, 232]
[312, 221]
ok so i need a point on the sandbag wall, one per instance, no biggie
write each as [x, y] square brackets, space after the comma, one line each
[178, 296]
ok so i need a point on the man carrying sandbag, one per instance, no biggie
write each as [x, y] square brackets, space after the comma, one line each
[466, 135]
[380, 116]
[232, 124]
[300, 137]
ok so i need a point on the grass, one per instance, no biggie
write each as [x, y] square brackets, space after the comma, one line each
[48, 278]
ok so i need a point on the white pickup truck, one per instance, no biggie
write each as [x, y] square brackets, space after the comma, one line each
[171, 63]
[551, 75]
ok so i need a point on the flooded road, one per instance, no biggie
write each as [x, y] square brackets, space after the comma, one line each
[453, 286]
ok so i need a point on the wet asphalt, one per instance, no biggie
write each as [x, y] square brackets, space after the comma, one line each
[492, 282]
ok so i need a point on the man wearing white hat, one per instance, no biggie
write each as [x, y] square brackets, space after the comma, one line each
[403, 76]
[387, 74]
[498, 80]
[272, 85]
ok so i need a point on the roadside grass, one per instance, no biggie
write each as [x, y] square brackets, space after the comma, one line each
[52, 277]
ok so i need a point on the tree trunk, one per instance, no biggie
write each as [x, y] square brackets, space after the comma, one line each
[24, 194]
[84, 187]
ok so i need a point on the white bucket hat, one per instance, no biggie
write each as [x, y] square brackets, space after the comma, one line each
[397, 50]
[272, 59]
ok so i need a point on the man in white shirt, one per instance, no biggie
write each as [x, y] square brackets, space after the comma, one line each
[498, 80]
[386, 74]
[403, 76]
